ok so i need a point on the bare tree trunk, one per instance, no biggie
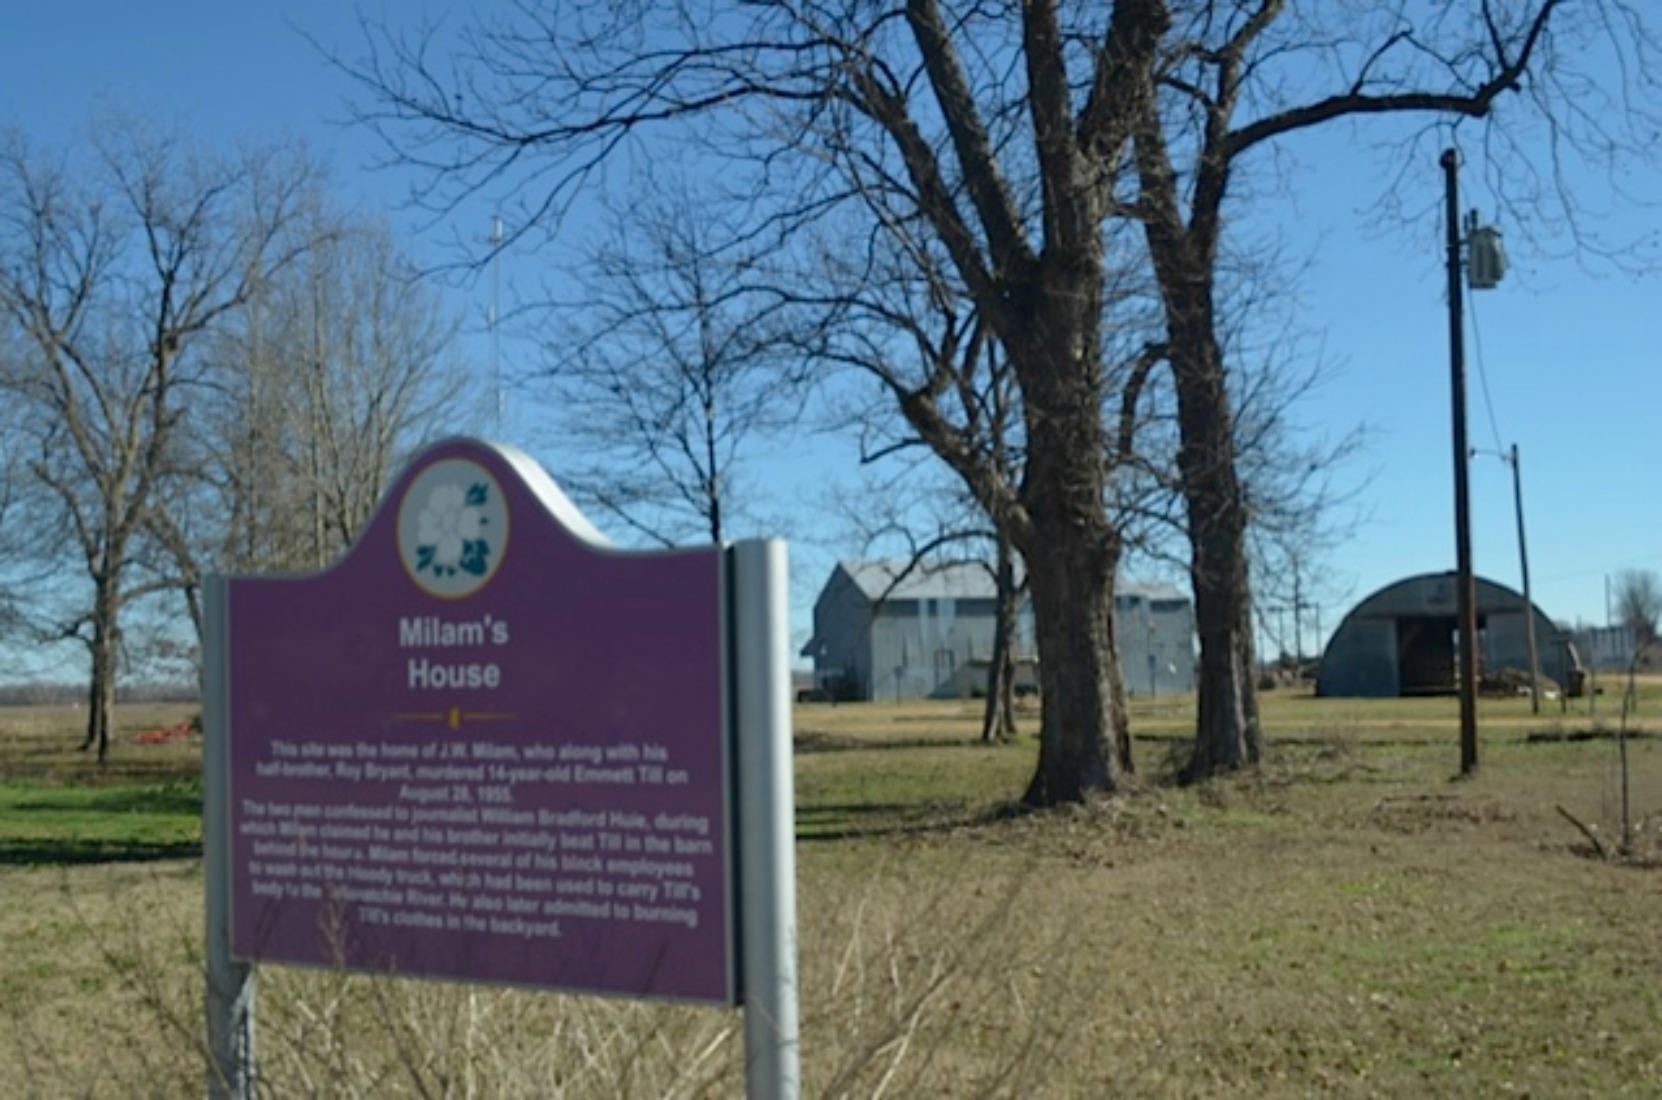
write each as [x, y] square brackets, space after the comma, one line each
[1227, 734]
[1071, 549]
[103, 697]
[1081, 695]
[1084, 736]
[998, 722]
[101, 652]
[95, 691]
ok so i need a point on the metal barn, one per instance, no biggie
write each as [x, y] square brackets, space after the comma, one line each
[882, 632]
[1403, 640]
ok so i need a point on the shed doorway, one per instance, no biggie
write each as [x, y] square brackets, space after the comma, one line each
[1426, 655]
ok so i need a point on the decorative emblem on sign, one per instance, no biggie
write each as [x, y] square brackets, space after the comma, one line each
[452, 528]
[451, 531]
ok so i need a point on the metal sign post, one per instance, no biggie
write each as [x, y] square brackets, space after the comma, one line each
[230, 1002]
[767, 829]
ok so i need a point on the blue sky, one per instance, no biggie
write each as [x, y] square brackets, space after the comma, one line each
[1569, 354]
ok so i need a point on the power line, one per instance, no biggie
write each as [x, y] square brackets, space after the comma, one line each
[1483, 376]
[1581, 574]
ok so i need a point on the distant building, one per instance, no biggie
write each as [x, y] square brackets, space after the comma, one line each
[1606, 648]
[928, 634]
[1403, 640]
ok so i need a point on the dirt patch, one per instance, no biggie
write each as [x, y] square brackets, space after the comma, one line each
[1591, 733]
[1423, 813]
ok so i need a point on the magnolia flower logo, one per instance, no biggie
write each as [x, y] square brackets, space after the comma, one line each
[450, 531]
[452, 527]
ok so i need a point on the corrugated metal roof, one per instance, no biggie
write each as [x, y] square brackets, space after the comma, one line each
[887, 580]
[884, 580]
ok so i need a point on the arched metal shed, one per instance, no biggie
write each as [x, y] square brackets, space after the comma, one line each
[1403, 640]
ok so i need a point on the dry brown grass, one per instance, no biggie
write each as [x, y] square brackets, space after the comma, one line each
[39, 745]
[1348, 921]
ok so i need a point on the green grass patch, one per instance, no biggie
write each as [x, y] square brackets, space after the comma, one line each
[58, 805]
[87, 824]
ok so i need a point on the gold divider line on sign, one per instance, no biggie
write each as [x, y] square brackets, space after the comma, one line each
[454, 717]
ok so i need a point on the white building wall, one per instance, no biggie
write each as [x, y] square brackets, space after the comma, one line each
[1606, 648]
[937, 647]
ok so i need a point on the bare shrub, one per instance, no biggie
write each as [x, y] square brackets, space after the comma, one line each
[910, 970]
[910, 988]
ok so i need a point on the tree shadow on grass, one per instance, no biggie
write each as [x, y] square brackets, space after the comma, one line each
[80, 852]
[178, 800]
[863, 820]
[808, 742]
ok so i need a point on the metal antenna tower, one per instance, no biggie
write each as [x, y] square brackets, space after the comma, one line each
[491, 312]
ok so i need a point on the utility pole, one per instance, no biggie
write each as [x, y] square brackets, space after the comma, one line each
[1529, 602]
[1465, 587]
[1487, 266]
[1298, 626]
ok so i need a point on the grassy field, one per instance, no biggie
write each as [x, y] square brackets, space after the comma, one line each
[58, 806]
[1349, 920]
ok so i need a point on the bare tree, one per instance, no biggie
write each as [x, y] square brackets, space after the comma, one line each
[13, 547]
[987, 422]
[899, 313]
[1233, 77]
[991, 144]
[669, 369]
[1298, 480]
[111, 280]
[903, 117]
[1638, 599]
[1638, 594]
[337, 370]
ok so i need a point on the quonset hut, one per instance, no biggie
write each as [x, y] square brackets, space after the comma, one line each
[1403, 640]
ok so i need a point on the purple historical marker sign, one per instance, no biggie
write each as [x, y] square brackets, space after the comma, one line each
[484, 747]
